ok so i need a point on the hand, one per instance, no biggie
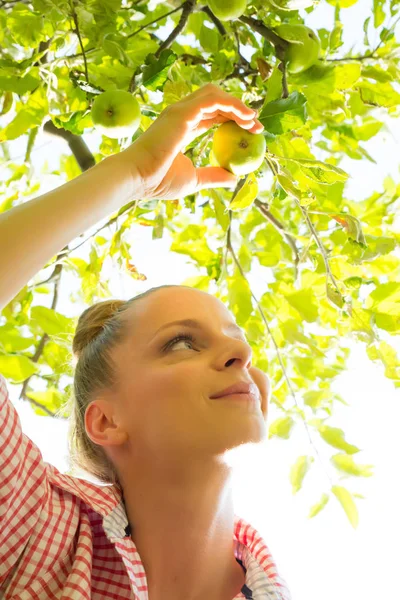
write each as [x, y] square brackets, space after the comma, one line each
[156, 160]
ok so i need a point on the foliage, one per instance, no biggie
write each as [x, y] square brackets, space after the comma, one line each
[333, 262]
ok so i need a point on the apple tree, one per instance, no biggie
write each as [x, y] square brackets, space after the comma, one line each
[331, 262]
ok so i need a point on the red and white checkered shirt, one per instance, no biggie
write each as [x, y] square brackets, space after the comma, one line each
[64, 537]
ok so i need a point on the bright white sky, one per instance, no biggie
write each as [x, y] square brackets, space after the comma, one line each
[323, 557]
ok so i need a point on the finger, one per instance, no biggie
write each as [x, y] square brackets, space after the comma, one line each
[213, 91]
[205, 125]
[212, 104]
[211, 177]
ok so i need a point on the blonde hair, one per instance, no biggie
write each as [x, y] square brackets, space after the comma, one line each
[100, 328]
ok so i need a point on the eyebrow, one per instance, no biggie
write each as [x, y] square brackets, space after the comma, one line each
[197, 325]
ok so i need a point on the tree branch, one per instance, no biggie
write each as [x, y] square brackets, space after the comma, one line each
[155, 21]
[287, 236]
[214, 19]
[85, 159]
[320, 246]
[78, 147]
[285, 89]
[258, 26]
[75, 17]
[278, 353]
[35, 358]
[187, 8]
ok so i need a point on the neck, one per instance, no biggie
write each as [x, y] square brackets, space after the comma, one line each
[182, 525]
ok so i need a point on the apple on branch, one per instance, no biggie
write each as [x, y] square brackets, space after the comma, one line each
[116, 113]
[303, 49]
[226, 10]
[236, 149]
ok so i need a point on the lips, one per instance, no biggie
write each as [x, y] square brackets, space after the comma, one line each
[241, 387]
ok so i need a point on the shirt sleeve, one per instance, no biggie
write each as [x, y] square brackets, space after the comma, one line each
[23, 485]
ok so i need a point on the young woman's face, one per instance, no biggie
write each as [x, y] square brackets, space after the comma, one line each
[164, 390]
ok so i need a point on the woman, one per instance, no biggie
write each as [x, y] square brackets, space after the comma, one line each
[147, 417]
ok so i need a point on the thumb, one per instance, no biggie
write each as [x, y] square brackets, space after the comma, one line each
[211, 177]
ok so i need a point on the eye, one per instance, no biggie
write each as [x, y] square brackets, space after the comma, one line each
[179, 337]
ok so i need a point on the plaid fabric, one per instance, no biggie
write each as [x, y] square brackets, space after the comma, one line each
[65, 537]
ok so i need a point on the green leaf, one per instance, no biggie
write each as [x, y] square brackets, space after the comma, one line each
[7, 102]
[318, 171]
[347, 503]
[379, 12]
[335, 437]
[303, 302]
[353, 227]
[51, 321]
[19, 85]
[239, 295]
[16, 368]
[342, 3]
[385, 299]
[316, 508]
[246, 195]
[155, 71]
[378, 94]
[28, 28]
[285, 114]
[281, 427]
[346, 464]
[29, 116]
[50, 398]
[209, 38]
[287, 184]
[298, 472]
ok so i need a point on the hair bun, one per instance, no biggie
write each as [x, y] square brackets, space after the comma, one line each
[91, 322]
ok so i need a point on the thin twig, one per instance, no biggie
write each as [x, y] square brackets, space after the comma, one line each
[285, 89]
[75, 17]
[320, 246]
[278, 353]
[187, 8]
[214, 19]
[287, 236]
[258, 26]
[37, 355]
[155, 21]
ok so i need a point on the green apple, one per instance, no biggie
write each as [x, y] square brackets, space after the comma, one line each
[116, 113]
[236, 149]
[227, 9]
[303, 49]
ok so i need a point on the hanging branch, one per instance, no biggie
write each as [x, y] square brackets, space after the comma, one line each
[75, 17]
[78, 147]
[263, 208]
[285, 89]
[258, 26]
[85, 160]
[214, 19]
[171, 12]
[187, 8]
[320, 246]
[231, 250]
[37, 355]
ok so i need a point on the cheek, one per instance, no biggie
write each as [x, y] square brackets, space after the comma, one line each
[153, 387]
[264, 385]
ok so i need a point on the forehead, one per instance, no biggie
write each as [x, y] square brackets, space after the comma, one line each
[163, 306]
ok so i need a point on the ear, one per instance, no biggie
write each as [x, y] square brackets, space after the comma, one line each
[102, 426]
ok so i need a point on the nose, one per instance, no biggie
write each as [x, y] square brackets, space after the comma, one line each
[240, 351]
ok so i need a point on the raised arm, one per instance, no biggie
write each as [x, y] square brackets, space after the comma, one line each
[152, 167]
[33, 232]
